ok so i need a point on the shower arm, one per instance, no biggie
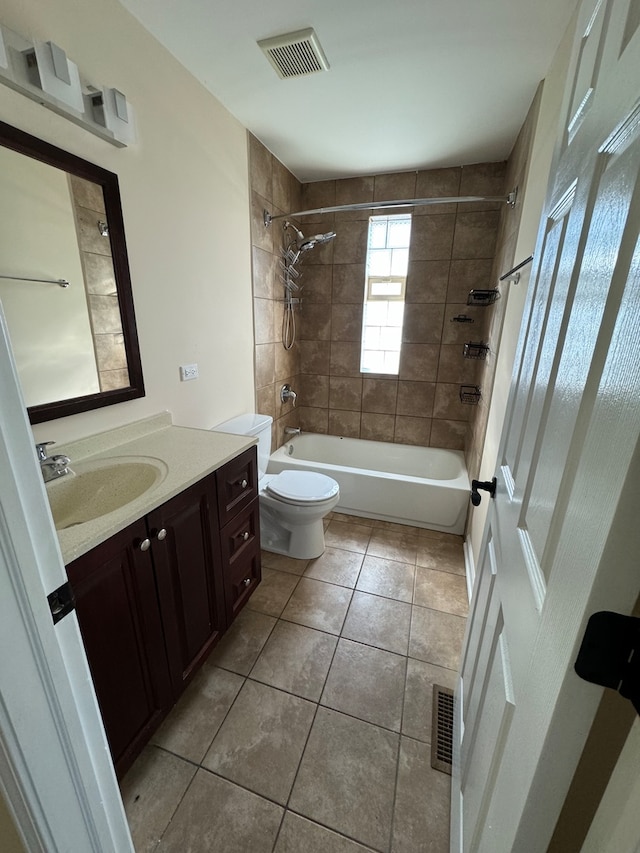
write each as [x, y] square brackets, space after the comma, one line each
[509, 199]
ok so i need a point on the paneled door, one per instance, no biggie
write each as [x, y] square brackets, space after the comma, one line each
[561, 538]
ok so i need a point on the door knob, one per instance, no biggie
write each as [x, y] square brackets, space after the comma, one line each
[487, 486]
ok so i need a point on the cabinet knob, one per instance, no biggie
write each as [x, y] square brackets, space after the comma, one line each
[145, 545]
[246, 581]
[244, 484]
[161, 534]
[244, 536]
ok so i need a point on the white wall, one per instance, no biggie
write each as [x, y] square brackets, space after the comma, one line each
[532, 198]
[185, 198]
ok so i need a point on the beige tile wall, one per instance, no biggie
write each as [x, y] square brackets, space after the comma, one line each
[452, 252]
[452, 249]
[272, 187]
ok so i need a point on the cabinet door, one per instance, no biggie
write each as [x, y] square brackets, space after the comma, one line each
[240, 540]
[189, 577]
[119, 617]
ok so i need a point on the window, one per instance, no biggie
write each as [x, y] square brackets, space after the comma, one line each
[385, 285]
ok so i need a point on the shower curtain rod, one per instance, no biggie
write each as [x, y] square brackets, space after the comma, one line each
[381, 205]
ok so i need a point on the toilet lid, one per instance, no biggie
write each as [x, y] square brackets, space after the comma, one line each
[303, 486]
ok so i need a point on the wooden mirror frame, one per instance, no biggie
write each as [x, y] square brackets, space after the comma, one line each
[31, 146]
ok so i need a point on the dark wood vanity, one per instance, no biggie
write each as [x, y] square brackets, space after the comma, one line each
[154, 599]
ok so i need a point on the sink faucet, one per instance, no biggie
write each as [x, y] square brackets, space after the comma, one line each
[52, 467]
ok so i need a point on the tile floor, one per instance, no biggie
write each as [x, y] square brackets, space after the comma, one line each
[309, 727]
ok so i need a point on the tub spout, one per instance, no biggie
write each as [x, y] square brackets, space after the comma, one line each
[292, 430]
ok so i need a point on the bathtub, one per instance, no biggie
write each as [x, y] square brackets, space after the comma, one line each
[421, 486]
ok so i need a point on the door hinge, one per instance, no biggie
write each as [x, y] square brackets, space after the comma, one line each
[61, 602]
[610, 654]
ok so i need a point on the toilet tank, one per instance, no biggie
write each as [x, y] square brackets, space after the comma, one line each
[252, 424]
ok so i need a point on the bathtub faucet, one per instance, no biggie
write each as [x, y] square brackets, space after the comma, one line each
[287, 393]
[292, 430]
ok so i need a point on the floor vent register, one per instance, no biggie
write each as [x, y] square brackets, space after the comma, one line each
[442, 729]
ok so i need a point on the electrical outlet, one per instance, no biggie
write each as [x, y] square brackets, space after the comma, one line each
[188, 371]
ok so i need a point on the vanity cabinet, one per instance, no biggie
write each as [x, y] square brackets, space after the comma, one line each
[153, 600]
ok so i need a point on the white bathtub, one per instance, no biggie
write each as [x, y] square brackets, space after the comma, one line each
[421, 486]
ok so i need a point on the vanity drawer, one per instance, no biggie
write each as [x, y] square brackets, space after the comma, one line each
[237, 483]
[241, 534]
[240, 542]
[241, 579]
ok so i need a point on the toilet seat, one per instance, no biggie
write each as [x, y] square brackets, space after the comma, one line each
[302, 487]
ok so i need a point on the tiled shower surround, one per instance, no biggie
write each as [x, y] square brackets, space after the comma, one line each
[452, 252]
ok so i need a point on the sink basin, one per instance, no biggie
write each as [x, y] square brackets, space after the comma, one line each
[100, 487]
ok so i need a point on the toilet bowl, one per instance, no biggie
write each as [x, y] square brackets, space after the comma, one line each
[293, 504]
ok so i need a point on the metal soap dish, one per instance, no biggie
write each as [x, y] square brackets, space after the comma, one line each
[476, 350]
[483, 297]
[461, 318]
[470, 394]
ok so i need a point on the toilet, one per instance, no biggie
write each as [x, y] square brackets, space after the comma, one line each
[293, 504]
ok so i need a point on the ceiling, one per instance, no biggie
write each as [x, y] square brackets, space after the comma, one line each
[412, 84]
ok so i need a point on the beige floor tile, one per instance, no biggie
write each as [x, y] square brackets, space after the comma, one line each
[387, 578]
[218, 815]
[444, 555]
[418, 697]
[436, 637]
[421, 814]
[318, 605]
[283, 563]
[426, 533]
[348, 535]
[366, 683]
[239, 648]
[151, 792]
[441, 591]
[336, 566]
[353, 519]
[273, 592]
[395, 529]
[296, 659]
[261, 741]
[347, 777]
[299, 834]
[378, 622]
[402, 547]
[195, 720]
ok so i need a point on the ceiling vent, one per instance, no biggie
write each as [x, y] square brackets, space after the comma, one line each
[295, 54]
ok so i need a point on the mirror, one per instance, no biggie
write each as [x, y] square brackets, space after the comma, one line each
[76, 345]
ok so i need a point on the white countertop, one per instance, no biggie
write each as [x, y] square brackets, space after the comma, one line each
[189, 454]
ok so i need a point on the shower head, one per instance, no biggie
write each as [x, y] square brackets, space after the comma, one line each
[317, 239]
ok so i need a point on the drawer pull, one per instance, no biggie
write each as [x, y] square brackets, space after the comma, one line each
[244, 536]
[246, 581]
[244, 484]
[145, 545]
[162, 534]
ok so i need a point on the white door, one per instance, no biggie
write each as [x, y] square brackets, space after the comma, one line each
[561, 539]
